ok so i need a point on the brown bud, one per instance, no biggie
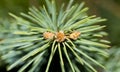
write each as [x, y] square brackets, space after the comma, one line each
[48, 35]
[74, 35]
[60, 36]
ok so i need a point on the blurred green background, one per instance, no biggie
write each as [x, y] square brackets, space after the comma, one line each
[109, 9]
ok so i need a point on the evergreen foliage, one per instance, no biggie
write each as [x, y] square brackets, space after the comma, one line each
[47, 35]
[112, 64]
[6, 27]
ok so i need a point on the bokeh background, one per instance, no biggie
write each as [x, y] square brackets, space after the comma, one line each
[109, 9]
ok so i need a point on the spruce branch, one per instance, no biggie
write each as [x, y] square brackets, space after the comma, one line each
[112, 63]
[68, 32]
